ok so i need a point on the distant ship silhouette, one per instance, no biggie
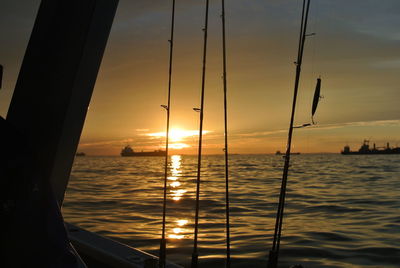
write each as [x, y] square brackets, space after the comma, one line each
[364, 149]
[128, 151]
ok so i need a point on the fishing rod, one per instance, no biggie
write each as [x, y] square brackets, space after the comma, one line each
[163, 241]
[228, 246]
[274, 252]
[195, 254]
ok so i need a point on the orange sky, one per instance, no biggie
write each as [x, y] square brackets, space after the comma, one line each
[356, 51]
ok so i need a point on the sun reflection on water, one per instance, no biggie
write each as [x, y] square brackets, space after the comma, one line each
[174, 236]
[177, 194]
[175, 184]
[182, 222]
[176, 165]
[177, 230]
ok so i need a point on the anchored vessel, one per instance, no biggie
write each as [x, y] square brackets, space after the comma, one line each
[364, 149]
[128, 151]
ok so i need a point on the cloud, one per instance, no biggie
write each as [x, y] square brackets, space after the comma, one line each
[387, 64]
[177, 133]
[376, 123]
[261, 133]
[106, 143]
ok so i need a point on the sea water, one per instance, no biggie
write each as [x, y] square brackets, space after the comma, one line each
[341, 211]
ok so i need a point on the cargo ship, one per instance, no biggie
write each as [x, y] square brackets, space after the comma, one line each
[364, 149]
[128, 151]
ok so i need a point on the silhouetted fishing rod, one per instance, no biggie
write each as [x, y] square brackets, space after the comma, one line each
[195, 254]
[228, 240]
[274, 253]
[163, 242]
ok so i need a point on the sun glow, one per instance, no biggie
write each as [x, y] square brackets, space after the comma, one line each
[178, 146]
[177, 135]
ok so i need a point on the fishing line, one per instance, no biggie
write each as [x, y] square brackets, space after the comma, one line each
[314, 63]
[317, 91]
[314, 42]
[195, 254]
[163, 242]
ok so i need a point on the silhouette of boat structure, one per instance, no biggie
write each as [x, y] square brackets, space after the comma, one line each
[128, 151]
[47, 112]
[364, 149]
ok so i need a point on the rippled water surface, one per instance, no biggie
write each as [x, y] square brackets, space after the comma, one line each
[342, 211]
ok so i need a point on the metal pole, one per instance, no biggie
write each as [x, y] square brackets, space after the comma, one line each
[163, 241]
[195, 254]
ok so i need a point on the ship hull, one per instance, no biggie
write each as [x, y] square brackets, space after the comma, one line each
[372, 152]
[139, 154]
[364, 149]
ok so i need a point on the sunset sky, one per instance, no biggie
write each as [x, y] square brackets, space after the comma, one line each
[356, 51]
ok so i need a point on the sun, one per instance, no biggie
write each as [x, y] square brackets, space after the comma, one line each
[177, 137]
[177, 134]
[178, 146]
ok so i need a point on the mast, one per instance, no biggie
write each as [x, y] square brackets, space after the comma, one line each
[167, 107]
[228, 248]
[195, 254]
[274, 253]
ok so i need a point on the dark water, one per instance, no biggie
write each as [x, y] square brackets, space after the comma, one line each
[342, 211]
